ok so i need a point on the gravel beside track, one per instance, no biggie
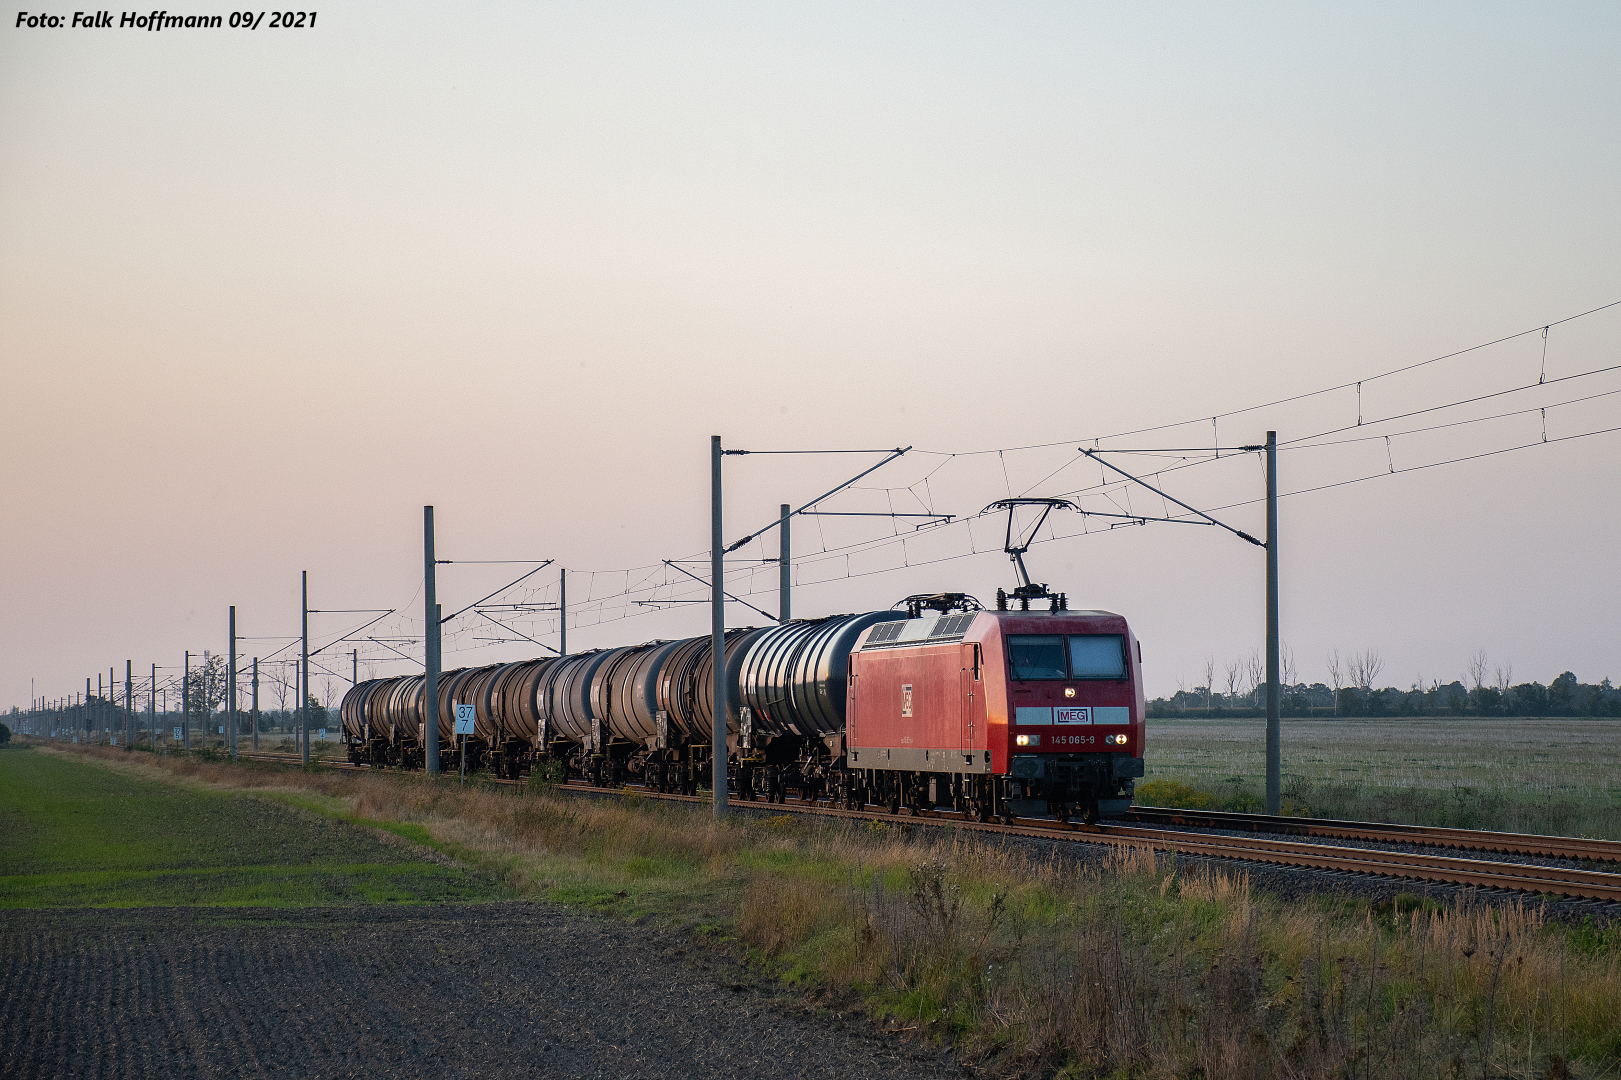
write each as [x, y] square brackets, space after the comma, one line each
[498, 990]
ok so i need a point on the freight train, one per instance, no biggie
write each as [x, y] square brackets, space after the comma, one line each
[939, 703]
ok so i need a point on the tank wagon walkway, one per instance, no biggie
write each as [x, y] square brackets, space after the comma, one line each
[490, 990]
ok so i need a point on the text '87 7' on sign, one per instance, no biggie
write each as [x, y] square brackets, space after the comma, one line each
[464, 719]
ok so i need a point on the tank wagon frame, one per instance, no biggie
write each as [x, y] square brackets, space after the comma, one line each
[991, 713]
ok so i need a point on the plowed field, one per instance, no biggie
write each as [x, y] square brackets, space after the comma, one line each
[477, 990]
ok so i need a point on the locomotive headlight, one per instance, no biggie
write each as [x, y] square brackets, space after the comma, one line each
[1027, 740]
[1023, 740]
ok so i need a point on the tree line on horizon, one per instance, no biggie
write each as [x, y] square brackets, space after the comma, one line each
[1352, 690]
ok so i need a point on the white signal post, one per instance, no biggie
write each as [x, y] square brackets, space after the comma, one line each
[465, 720]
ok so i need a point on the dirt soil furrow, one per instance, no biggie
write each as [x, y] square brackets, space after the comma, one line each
[495, 990]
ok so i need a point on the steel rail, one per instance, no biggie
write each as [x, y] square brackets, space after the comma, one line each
[1562, 847]
[1531, 877]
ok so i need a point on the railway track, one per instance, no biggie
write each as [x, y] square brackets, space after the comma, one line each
[1178, 839]
[1559, 847]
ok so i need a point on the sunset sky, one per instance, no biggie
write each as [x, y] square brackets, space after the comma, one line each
[266, 293]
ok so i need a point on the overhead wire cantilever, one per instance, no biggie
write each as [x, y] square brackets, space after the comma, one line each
[724, 593]
[1241, 534]
[893, 454]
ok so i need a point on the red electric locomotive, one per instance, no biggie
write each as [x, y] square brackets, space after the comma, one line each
[997, 713]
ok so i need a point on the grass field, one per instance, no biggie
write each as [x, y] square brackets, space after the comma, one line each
[79, 834]
[1559, 777]
[1129, 967]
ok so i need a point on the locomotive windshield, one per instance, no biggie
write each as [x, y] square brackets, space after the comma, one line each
[1036, 656]
[1089, 656]
[1097, 656]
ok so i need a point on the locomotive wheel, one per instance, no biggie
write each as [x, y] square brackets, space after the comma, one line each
[1090, 814]
[1062, 813]
[893, 804]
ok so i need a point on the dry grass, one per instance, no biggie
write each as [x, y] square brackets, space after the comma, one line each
[1559, 777]
[1035, 966]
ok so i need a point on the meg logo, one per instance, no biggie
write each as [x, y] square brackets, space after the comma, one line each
[1072, 715]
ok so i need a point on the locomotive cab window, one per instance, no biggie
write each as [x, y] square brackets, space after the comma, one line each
[1037, 656]
[1097, 656]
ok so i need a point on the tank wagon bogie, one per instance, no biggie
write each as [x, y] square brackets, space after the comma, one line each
[991, 713]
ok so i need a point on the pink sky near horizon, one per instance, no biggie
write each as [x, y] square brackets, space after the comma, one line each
[263, 295]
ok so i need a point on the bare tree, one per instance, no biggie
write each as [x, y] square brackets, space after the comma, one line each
[1365, 668]
[1209, 680]
[1286, 661]
[1503, 678]
[1477, 669]
[1254, 675]
[280, 684]
[1336, 677]
[1235, 672]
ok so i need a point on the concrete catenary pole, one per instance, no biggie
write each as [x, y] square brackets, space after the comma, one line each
[230, 686]
[562, 612]
[304, 691]
[255, 718]
[185, 704]
[717, 603]
[430, 641]
[152, 705]
[1274, 698]
[785, 575]
[129, 703]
